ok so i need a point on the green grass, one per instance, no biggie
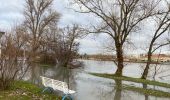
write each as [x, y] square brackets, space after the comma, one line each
[26, 91]
[152, 92]
[137, 80]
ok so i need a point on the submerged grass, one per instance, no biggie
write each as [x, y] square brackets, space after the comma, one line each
[148, 92]
[145, 91]
[137, 80]
[26, 91]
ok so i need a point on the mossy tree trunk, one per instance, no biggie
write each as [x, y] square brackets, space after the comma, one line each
[146, 70]
[120, 59]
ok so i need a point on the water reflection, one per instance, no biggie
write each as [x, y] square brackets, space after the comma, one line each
[118, 90]
[89, 87]
[146, 96]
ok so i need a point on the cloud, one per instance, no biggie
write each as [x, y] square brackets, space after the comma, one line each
[89, 45]
[10, 12]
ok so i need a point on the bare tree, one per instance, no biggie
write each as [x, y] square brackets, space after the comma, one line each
[38, 14]
[119, 19]
[11, 67]
[163, 24]
[48, 42]
[67, 47]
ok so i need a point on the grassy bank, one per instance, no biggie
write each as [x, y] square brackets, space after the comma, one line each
[137, 80]
[25, 91]
[148, 92]
[152, 92]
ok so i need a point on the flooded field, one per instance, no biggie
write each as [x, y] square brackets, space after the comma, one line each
[89, 87]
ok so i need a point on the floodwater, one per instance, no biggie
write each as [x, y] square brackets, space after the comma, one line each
[89, 87]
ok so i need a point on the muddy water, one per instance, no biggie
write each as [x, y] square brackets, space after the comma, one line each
[90, 87]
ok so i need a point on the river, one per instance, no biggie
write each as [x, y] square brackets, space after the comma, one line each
[89, 87]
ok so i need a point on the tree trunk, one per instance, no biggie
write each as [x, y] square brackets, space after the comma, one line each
[120, 60]
[33, 54]
[146, 70]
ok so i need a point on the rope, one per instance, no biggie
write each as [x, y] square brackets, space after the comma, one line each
[49, 89]
[67, 96]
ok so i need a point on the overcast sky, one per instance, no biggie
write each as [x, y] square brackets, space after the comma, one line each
[11, 12]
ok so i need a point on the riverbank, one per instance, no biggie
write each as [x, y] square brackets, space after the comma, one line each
[131, 61]
[26, 91]
[145, 91]
[137, 80]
